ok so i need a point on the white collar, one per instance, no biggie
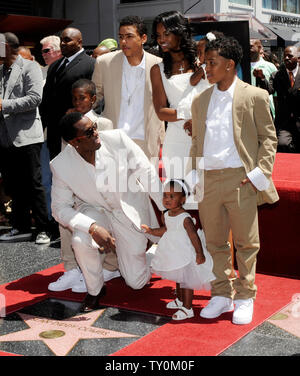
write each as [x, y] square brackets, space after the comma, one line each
[142, 64]
[70, 58]
[229, 91]
[295, 71]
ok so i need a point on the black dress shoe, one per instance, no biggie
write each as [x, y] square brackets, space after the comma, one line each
[91, 302]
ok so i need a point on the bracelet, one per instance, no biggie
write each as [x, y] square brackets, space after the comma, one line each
[94, 229]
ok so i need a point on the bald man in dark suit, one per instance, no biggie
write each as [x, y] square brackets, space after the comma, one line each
[57, 97]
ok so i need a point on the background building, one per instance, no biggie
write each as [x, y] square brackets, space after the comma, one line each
[99, 19]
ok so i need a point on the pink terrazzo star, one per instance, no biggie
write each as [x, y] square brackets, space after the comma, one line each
[289, 318]
[71, 331]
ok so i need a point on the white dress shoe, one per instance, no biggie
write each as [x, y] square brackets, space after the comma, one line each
[66, 281]
[108, 275]
[217, 306]
[243, 311]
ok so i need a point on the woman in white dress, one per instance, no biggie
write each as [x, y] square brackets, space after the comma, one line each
[172, 91]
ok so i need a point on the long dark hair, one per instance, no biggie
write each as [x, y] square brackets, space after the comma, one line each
[177, 24]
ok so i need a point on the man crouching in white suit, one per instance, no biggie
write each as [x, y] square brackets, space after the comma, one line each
[112, 178]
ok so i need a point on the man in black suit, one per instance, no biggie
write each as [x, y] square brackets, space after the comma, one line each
[286, 83]
[57, 96]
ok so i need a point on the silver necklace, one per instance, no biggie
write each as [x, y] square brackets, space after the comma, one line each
[128, 94]
[181, 69]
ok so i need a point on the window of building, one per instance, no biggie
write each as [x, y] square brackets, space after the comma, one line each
[16, 7]
[290, 6]
[241, 2]
[272, 4]
[132, 1]
[27, 7]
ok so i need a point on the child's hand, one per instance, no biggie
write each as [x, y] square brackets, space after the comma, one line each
[197, 76]
[146, 229]
[70, 110]
[200, 258]
[187, 126]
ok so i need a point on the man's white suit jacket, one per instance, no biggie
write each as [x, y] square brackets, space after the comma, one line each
[73, 176]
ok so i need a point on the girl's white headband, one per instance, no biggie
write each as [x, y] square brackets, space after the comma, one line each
[181, 183]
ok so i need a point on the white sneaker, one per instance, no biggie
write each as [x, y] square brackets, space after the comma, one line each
[108, 275]
[66, 281]
[42, 238]
[243, 311]
[15, 235]
[80, 285]
[217, 306]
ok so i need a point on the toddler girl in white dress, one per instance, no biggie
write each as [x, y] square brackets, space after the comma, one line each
[181, 255]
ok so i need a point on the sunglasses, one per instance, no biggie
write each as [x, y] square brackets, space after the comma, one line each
[46, 50]
[88, 133]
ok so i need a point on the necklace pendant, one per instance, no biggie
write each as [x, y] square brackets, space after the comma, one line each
[181, 69]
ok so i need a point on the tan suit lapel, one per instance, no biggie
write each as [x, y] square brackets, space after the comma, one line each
[205, 99]
[117, 69]
[238, 112]
[147, 92]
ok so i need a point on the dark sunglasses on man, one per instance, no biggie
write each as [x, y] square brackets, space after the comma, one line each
[46, 50]
[88, 133]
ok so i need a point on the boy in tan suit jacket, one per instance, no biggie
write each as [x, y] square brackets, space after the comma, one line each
[234, 134]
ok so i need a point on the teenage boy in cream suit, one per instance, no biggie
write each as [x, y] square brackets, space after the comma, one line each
[122, 78]
[112, 179]
[234, 133]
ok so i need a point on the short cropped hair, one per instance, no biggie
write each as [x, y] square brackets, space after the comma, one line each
[135, 21]
[66, 125]
[12, 40]
[227, 47]
[54, 40]
[88, 85]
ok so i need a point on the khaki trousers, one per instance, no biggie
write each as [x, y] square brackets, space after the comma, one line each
[228, 205]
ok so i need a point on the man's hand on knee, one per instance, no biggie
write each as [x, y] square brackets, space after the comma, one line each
[103, 238]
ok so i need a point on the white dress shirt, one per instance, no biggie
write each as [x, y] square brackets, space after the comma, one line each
[131, 119]
[219, 147]
[70, 58]
[294, 71]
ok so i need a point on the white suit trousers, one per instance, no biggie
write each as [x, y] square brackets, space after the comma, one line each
[131, 245]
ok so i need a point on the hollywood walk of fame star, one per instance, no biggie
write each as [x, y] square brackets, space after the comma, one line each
[66, 332]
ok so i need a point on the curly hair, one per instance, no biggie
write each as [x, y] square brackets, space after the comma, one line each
[177, 24]
[134, 21]
[227, 47]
